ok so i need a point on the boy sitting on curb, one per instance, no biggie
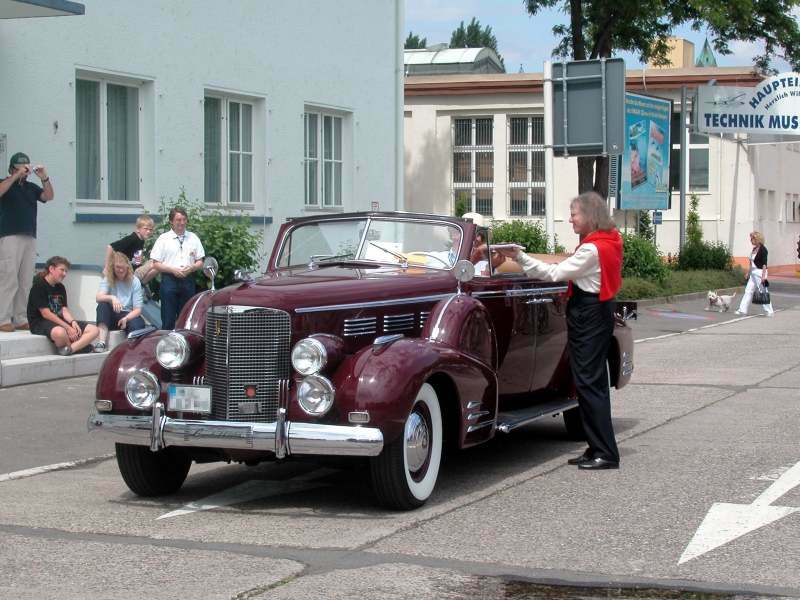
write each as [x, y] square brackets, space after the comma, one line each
[48, 313]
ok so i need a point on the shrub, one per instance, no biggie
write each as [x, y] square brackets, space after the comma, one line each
[646, 226]
[530, 234]
[640, 258]
[461, 207]
[230, 240]
[636, 288]
[704, 255]
[682, 282]
[694, 231]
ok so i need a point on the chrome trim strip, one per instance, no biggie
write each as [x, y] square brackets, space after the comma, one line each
[227, 309]
[373, 304]
[188, 323]
[302, 438]
[435, 329]
[520, 292]
[477, 426]
[473, 404]
[477, 415]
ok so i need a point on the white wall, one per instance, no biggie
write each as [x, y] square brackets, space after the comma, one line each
[283, 55]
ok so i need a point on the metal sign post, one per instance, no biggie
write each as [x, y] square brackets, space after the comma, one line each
[549, 201]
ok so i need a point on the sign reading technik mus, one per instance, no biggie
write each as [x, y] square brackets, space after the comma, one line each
[773, 106]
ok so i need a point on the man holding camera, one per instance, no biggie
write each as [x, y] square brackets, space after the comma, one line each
[18, 207]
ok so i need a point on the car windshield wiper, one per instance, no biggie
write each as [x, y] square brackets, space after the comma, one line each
[314, 259]
[399, 257]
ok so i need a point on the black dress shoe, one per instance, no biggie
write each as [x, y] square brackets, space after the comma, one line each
[587, 455]
[598, 463]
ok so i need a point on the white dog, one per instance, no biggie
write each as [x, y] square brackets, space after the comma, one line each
[722, 302]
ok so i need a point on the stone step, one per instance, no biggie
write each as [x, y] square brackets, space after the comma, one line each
[27, 358]
[33, 369]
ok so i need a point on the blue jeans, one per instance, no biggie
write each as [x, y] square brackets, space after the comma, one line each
[109, 318]
[175, 292]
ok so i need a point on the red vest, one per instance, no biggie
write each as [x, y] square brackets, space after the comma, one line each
[609, 252]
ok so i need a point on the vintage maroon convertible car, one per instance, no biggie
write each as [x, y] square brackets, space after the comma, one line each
[367, 336]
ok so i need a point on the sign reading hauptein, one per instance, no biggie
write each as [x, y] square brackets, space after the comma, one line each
[773, 106]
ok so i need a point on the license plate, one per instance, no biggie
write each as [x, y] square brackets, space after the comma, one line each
[189, 398]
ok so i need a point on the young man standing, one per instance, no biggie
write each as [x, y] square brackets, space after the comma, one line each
[19, 199]
[132, 246]
[177, 254]
[48, 313]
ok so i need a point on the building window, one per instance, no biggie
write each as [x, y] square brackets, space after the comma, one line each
[228, 150]
[322, 160]
[526, 166]
[793, 208]
[107, 140]
[697, 158]
[473, 165]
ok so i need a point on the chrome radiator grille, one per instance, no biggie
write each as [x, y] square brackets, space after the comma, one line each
[247, 354]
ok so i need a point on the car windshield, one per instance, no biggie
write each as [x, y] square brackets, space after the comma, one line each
[381, 241]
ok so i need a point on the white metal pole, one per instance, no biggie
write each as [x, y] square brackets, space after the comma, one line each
[549, 203]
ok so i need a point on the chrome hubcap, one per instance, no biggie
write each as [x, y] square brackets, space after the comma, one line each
[417, 441]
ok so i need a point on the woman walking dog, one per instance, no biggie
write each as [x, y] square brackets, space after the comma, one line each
[758, 275]
[595, 275]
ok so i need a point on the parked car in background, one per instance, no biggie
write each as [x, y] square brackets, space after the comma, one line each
[368, 335]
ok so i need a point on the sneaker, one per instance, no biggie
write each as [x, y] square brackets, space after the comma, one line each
[99, 347]
[7, 327]
[65, 351]
[740, 313]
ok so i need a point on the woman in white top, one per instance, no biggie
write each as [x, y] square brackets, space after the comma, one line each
[757, 276]
[119, 300]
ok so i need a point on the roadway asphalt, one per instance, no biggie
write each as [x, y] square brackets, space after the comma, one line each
[706, 499]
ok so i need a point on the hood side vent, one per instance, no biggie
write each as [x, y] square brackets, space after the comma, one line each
[423, 318]
[395, 323]
[363, 326]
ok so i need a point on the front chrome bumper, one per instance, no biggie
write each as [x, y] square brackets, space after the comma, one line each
[282, 437]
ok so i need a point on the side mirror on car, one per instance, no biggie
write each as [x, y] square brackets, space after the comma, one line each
[211, 268]
[463, 271]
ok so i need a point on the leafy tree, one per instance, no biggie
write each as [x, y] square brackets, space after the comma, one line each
[414, 42]
[530, 234]
[598, 28]
[646, 226]
[473, 36]
[229, 240]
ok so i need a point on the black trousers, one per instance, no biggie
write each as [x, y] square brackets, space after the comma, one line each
[590, 326]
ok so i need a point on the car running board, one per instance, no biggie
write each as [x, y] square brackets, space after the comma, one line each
[508, 421]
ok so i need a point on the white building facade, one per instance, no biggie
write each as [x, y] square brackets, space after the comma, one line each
[475, 143]
[265, 109]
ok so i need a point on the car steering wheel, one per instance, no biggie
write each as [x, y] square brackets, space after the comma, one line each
[433, 256]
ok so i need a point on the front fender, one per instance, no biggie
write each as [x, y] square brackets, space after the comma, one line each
[384, 380]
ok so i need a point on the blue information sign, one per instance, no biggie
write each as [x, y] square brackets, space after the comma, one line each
[657, 217]
[645, 159]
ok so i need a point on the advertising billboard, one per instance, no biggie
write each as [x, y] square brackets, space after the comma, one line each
[645, 159]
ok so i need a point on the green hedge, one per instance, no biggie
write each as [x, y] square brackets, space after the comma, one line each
[697, 254]
[681, 282]
[530, 234]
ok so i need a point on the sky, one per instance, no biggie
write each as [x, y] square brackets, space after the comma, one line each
[527, 42]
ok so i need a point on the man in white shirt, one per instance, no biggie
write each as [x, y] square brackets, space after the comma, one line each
[177, 254]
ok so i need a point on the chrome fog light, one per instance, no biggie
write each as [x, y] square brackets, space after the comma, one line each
[142, 389]
[315, 395]
[309, 356]
[172, 351]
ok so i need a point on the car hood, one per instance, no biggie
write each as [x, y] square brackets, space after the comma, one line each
[290, 289]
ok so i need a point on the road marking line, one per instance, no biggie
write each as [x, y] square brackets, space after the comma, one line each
[254, 489]
[726, 522]
[54, 467]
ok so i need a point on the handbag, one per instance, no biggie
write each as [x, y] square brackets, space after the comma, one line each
[761, 295]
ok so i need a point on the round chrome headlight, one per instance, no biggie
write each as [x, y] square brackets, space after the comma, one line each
[142, 389]
[309, 356]
[172, 351]
[315, 395]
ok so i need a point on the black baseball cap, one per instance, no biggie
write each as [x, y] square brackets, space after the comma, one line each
[20, 158]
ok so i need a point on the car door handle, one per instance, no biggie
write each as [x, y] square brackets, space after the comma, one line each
[540, 301]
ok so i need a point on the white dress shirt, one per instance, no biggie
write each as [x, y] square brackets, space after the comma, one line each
[177, 251]
[582, 268]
